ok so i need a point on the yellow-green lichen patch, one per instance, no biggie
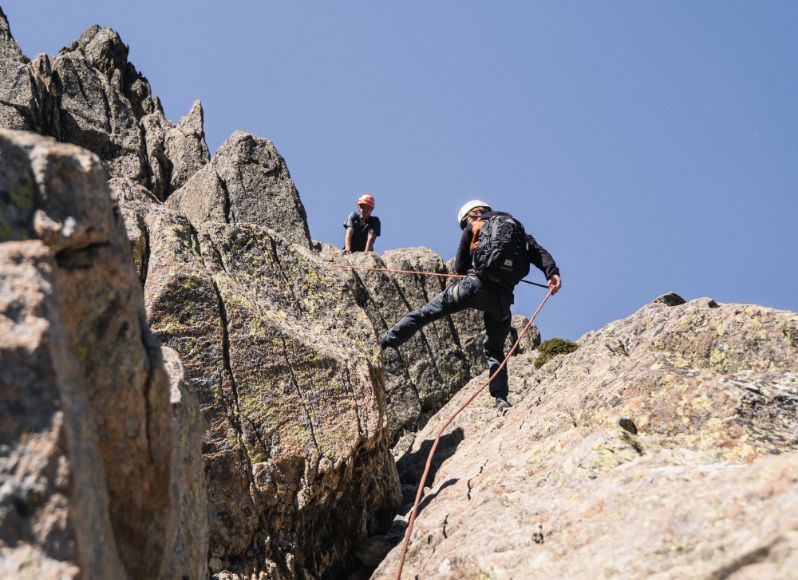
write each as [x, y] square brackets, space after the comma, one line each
[172, 328]
[717, 359]
[5, 231]
[22, 197]
[702, 404]
[791, 334]
[82, 353]
[753, 311]
[257, 329]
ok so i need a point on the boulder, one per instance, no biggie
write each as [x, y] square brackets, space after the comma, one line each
[296, 447]
[665, 445]
[188, 547]
[54, 517]
[90, 362]
[246, 182]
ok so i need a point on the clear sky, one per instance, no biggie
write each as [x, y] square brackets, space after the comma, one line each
[650, 146]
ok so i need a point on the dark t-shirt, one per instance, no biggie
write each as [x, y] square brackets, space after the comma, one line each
[361, 230]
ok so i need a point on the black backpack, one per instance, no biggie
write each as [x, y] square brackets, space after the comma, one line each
[501, 252]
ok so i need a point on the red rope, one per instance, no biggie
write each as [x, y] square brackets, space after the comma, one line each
[348, 267]
[445, 425]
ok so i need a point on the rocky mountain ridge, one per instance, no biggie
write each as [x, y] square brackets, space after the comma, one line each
[278, 348]
[195, 390]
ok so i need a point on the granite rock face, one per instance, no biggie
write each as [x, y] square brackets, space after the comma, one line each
[90, 95]
[296, 446]
[425, 372]
[247, 181]
[261, 438]
[305, 446]
[189, 543]
[17, 90]
[666, 445]
[54, 520]
[89, 439]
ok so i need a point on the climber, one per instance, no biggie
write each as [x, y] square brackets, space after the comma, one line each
[362, 228]
[488, 285]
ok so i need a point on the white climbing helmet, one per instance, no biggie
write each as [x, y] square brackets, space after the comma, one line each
[467, 207]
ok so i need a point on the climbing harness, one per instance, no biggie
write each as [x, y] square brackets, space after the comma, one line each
[394, 271]
[443, 428]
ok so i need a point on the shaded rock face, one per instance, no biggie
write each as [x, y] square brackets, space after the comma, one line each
[424, 373]
[667, 444]
[189, 543]
[16, 87]
[90, 95]
[88, 440]
[246, 182]
[54, 521]
[296, 449]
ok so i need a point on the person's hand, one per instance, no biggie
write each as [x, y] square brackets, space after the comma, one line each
[554, 284]
[345, 252]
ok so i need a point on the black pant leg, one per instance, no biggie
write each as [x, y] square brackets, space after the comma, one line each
[497, 327]
[451, 300]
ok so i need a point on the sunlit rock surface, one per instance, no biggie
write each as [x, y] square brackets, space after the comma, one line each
[664, 446]
[89, 438]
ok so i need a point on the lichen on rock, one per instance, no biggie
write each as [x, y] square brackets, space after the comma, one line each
[553, 347]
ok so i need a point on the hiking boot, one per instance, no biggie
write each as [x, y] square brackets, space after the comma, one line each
[383, 343]
[502, 406]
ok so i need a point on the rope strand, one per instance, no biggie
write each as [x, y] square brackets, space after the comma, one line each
[418, 273]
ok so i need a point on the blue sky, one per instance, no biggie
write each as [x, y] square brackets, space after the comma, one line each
[650, 146]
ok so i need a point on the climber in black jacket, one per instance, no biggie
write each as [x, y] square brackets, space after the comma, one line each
[492, 298]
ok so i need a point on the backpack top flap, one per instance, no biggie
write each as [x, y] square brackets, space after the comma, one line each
[501, 252]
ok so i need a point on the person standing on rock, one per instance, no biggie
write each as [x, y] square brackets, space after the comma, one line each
[488, 285]
[362, 228]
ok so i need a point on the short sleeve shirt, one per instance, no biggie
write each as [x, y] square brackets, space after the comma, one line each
[362, 230]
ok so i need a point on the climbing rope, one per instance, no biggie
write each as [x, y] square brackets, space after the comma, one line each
[394, 271]
[443, 428]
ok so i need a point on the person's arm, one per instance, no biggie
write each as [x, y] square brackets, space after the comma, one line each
[370, 241]
[462, 260]
[545, 263]
[374, 231]
[555, 284]
[350, 232]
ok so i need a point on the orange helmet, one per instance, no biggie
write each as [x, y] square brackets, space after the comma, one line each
[366, 199]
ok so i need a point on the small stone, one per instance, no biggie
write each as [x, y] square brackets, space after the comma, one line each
[628, 425]
[669, 299]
